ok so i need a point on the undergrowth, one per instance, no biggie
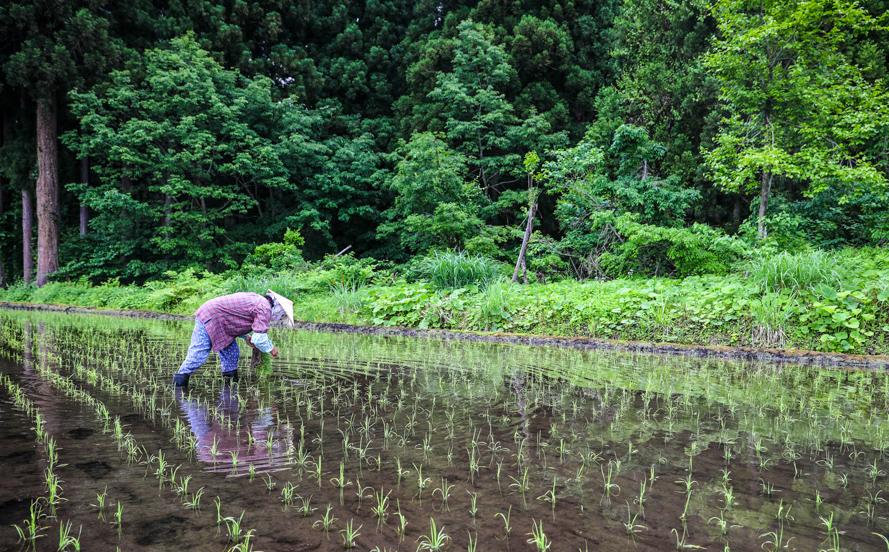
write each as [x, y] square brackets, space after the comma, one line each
[828, 301]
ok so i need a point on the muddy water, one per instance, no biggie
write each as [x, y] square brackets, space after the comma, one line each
[737, 455]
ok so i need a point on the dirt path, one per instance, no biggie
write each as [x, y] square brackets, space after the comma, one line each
[794, 356]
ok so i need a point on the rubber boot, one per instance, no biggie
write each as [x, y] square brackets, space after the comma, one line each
[229, 377]
[180, 380]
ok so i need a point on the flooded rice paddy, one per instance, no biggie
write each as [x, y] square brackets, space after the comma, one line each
[381, 443]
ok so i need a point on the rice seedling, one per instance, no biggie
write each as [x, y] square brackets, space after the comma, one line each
[471, 542]
[305, 505]
[287, 493]
[550, 495]
[270, 483]
[219, 517]
[327, 519]
[444, 490]
[473, 504]
[609, 487]
[521, 485]
[507, 527]
[341, 482]
[538, 538]
[118, 516]
[435, 540]
[67, 539]
[234, 527]
[100, 500]
[721, 523]
[766, 488]
[631, 526]
[31, 530]
[350, 534]
[775, 540]
[422, 482]
[193, 502]
[681, 541]
[381, 505]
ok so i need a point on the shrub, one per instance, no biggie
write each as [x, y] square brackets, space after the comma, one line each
[457, 269]
[277, 256]
[795, 271]
[660, 251]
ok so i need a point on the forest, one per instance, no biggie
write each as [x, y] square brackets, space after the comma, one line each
[417, 163]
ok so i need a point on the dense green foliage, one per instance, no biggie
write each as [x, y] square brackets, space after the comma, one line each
[222, 145]
[401, 128]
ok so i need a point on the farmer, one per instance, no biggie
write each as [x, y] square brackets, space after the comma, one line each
[219, 322]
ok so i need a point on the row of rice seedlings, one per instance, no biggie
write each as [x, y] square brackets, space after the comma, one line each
[240, 539]
[32, 527]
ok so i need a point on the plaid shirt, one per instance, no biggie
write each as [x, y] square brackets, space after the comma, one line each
[234, 315]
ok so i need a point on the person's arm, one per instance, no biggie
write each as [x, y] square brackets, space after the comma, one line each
[261, 320]
[262, 342]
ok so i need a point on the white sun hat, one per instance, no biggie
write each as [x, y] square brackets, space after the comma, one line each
[285, 303]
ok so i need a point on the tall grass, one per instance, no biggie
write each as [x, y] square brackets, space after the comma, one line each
[795, 271]
[452, 269]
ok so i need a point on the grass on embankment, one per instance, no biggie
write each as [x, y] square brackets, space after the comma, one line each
[837, 302]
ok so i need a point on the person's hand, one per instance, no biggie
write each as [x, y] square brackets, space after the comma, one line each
[274, 352]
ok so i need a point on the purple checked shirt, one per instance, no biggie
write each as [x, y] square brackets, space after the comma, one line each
[231, 316]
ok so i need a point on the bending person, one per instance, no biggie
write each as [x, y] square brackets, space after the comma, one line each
[220, 321]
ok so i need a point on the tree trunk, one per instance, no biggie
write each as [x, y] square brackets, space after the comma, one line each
[47, 191]
[765, 188]
[84, 210]
[27, 235]
[2, 259]
[529, 225]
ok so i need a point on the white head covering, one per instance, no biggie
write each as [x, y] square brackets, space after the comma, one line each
[283, 303]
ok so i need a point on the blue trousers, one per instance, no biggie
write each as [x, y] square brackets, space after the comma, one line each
[200, 349]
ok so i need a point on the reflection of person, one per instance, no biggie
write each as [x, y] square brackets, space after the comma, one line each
[211, 435]
[218, 324]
